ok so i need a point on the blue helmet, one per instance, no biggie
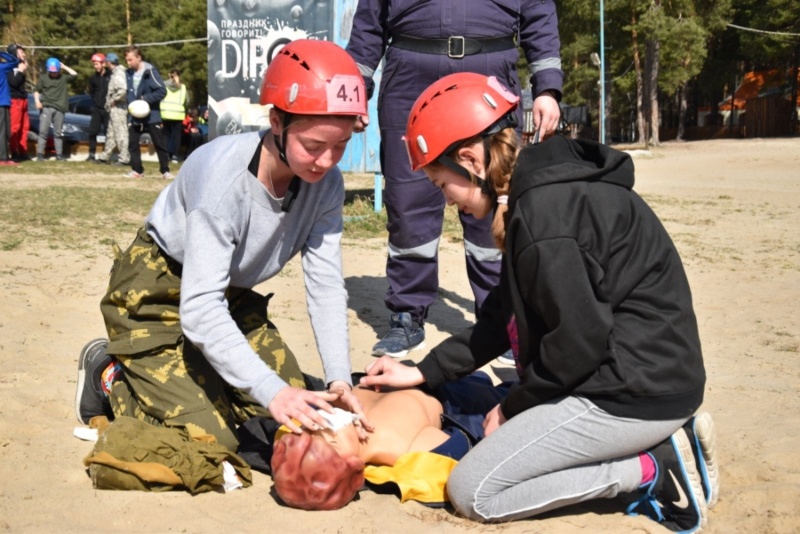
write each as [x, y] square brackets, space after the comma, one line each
[53, 65]
[111, 57]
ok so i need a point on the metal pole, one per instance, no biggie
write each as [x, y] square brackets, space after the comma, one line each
[602, 74]
[378, 204]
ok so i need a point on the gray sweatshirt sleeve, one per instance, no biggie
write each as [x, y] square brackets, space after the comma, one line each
[205, 319]
[326, 296]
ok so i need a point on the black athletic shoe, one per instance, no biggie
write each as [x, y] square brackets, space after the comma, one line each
[703, 438]
[90, 400]
[675, 496]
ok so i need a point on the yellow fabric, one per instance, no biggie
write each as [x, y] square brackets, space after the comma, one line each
[282, 431]
[173, 107]
[420, 476]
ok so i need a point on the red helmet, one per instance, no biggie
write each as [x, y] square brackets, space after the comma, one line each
[98, 57]
[455, 108]
[309, 77]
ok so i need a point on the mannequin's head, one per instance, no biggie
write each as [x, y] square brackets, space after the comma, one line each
[311, 474]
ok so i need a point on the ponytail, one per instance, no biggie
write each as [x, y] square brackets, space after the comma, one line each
[503, 149]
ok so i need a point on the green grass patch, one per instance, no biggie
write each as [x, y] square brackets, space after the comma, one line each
[95, 210]
[71, 216]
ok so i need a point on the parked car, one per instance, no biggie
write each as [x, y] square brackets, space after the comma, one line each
[76, 123]
[82, 105]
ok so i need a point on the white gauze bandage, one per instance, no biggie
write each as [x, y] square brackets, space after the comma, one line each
[338, 419]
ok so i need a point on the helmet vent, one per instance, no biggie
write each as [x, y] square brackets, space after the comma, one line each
[296, 58]
[489, 100]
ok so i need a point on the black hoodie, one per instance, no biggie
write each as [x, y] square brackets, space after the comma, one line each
[601, 301]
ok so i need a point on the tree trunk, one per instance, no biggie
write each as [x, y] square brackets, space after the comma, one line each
[653, 47]
[128, 21]
[637, 65]
[682, 112]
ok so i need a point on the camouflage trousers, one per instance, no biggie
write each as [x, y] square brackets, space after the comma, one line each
[117, 136]
[167, 380]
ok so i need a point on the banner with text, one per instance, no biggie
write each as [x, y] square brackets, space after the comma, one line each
[243, 37]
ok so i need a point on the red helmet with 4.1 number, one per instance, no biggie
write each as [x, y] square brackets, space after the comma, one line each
[98, 57]
[454, 108]
[309, 77]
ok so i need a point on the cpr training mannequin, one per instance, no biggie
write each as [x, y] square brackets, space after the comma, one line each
[323, 470]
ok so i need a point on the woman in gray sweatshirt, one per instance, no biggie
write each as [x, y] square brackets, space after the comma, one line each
[191, 337]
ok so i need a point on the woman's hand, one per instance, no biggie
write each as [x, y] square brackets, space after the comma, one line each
[389, 372]
[493, 420]
[350, 402]
[295, 404]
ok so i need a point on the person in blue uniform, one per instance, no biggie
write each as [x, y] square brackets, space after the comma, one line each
[421, 42]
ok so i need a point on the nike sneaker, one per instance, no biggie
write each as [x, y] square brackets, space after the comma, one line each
[675, 496]
[703, 438]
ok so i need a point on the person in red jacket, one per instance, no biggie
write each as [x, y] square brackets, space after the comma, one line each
[192, 133]
[20, 123]
[8, 62]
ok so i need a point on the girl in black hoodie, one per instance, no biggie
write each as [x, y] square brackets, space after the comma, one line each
[595, 305]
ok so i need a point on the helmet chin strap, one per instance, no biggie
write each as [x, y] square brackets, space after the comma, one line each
[509, 120]
[448, 162]
[280, 144]
[294, 185]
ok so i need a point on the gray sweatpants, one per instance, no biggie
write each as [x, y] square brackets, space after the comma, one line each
[47, 116]
[559, 453]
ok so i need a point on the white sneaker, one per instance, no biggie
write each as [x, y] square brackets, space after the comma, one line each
[702, 435]
[168, 176]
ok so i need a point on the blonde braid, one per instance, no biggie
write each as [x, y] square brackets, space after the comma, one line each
[503, 149]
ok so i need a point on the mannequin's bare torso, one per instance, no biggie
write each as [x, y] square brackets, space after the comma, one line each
[405, 420]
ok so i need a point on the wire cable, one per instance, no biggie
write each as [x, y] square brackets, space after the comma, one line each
[95, 47]
[766, 32]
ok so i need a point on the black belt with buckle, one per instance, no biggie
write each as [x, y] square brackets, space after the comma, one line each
[455, 47]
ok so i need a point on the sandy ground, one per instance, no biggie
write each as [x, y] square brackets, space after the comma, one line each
[733, 208]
